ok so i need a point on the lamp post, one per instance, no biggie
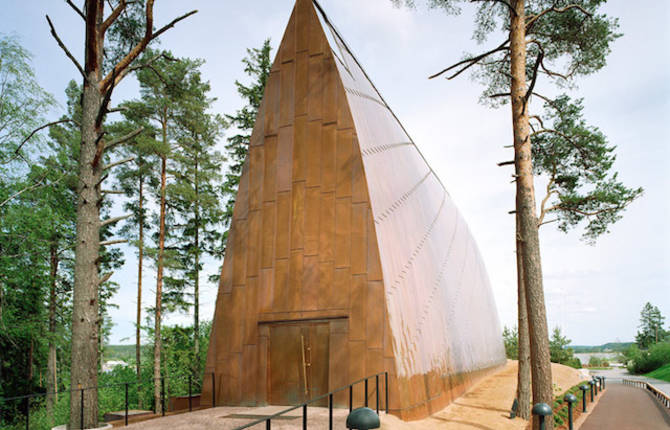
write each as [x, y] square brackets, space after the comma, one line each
[570, 399]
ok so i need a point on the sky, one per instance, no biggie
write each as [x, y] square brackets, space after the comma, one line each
[593, 293]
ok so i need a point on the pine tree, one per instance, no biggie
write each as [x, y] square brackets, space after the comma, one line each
[556, 42]
[257, 65]
[651, 326]
[100, 77]
[195, 193]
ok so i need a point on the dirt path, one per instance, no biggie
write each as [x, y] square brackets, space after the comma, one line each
[624, 407]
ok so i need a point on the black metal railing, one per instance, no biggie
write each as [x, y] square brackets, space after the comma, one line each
[26, 398]
[350, 387]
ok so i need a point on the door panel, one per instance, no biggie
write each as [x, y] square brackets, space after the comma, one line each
[298, 363]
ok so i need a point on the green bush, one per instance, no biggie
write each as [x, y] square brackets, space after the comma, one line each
[647, 361]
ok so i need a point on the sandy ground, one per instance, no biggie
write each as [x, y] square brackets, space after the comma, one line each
[485, 406]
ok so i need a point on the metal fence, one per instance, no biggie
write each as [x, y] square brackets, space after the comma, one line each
[663, 398]
[6, 402]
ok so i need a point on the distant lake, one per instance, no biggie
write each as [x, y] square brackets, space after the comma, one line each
[585, 356]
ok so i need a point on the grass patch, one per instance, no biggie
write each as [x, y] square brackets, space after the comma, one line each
[662, 373]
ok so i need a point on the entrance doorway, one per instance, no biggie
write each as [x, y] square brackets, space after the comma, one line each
[298, 362]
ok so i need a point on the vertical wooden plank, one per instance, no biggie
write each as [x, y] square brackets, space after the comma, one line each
[254, 243]
[312, 212]
[272, 100]
[374, 264]
[249, 375]
[238, 302]
[339, 365]
[326, 284]
[300, 148]
[280, 302]
[301, 83]
[270, 171]
[315, 88]
[262, 369]
[256, 169]
[295, 274]
[328, 149]
[327, 227]
[344, 167]
[359, 238]
[358, 307]
[284, 158]
[313, 150]
[240, 253]
[268, 236]
[266, 291]
[342, 232]
[311, 284]
[241, 208]
[282, 230]
[375, 317]
[341, 287]
[250, 315]
[287, 47]
[303, 15]
[317, 40]
[287, 105]
[357, 369]
[359, 187]
[344, 119]
[330, 78]
[226, 280]
[298, 216]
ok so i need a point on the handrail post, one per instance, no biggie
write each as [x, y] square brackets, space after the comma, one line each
[213, 391]
[304, 416]
[126, 420]
[351, 398]
[190, 407]
[386, 389]
[366, 392]
[268, 424]
[330, 411]
[377, 391]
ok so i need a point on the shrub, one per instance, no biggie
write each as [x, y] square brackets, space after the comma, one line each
[646, 361]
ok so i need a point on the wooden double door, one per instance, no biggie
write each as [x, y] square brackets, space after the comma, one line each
[298, 362]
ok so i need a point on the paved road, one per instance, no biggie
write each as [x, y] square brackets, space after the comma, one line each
[617, 374]
[624, 407]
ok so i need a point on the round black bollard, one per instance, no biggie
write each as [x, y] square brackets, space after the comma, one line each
[603, 381]
[584, 388]
[363, 419]
[570, 399]
[542, 410]
[595, 385]
[591, 389]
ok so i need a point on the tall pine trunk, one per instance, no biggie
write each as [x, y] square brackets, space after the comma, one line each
[140, 259]
[196, 292]
[523, 375]
[159, 280]
[52, 376]
[525, 209]
[85, 309]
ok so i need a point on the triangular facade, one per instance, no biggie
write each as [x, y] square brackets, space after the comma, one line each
[346, 255]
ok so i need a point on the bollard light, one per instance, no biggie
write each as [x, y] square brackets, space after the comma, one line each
[363, 419]
[584, 388]
[570, 399]
[595, 385]
[591, 389]
[542, 410]
[603, 381]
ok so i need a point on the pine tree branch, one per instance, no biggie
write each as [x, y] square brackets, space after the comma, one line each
[540, 55]
[113, 242]
[509, 6]
[102, 111]
[113, 16]
[64, 48]
[469, 62]
[115, 219]
[123, 139]
[106, 276]
[533, 19]
[506, 163]
[18, 148]
[112, 192]
[76, 9]
[149, 35]
[40, 183]
[118, 163]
